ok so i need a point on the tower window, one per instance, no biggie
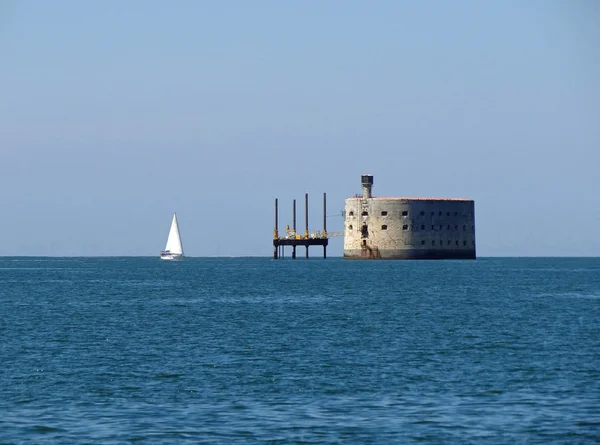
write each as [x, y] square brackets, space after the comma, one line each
[457, 242]
[350, 227]
[351, 213]
[404, 213]
[433, 242]
[365, 213]
[464, 243]
[449, 227]
[422, 213]
[384, 227]
[464, 227]
[404, 227]
[455, 213]
[422, 241]
[440, 214]
[384, 213]
[447, 213]
[432, 227]
[422, 226]
[455, 227]
[449, 242]
[432, 213]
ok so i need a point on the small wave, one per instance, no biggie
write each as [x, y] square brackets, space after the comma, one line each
[164, 375]
[593, 296]
[46, 429]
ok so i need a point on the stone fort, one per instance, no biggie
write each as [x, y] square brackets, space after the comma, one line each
[408, 228]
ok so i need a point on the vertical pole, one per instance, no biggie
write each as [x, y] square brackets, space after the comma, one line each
[294, 229]
[324, 224]
[275, 234]
[306, 215]
[306, 235]
[325, 213]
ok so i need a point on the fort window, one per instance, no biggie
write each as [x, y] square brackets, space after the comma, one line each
[351, 213]
[432, 213]
[440, 214]
[455, 227]
[432, 227]
[422, 226]
[464, 227]
[350, 227]
[404, 213]
[449, 242]
[384, 227]
[455, 213]
[441, 227]
[464, 243]
[449, 227]
[457, 242]
[447, 213]
[422, 213]
[384, 213]
[433, 242]
[365, 213]
[404, 227]
[422, 241]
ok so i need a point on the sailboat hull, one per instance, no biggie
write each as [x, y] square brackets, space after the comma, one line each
[171, 256]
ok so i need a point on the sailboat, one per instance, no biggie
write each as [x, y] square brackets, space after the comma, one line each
[173, 249]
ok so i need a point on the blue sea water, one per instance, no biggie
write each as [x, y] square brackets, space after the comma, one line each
[251, 350]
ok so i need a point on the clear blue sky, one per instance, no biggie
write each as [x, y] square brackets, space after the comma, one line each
[115, 114]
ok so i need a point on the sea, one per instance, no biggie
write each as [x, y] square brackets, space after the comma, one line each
[257, 351]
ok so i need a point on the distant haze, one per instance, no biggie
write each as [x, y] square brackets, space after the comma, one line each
[114, 115]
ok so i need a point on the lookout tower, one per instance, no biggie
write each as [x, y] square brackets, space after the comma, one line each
[367, 184]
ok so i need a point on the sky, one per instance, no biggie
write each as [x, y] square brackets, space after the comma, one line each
[114, 115]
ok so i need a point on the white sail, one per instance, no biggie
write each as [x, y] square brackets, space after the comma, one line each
[174, 246]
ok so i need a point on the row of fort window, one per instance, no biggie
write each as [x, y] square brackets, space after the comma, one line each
[441, 243]
[433, 227]
[405, 213]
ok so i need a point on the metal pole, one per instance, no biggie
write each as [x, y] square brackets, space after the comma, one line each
[294, 229]
[324, 224]
[275, 234]
[306, 215]
[325, 213]
[306, 220]
[294, 216]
